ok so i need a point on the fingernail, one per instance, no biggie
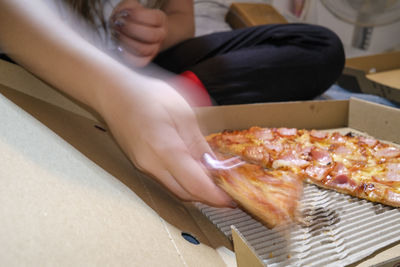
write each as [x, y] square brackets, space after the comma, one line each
[114, 34]
[119, 22]
[233, 205]
[122, 14]
[120, 49]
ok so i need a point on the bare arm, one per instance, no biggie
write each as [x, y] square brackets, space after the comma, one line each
[32, 35]
[146, 116]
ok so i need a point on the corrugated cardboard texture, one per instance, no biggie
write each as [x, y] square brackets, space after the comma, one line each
[342, 230]
[242, 15]
[59, 208]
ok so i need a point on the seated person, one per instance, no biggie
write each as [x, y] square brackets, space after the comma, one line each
[266, 63]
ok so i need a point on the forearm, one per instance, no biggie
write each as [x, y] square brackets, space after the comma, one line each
[33, 36]
[181, 25]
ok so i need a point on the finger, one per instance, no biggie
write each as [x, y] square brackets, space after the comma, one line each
[131, 59]
[138, 48]
[142, 33]
[194, 179]
[147, 16]
[189, 173]
[168, 181]
[124, 5]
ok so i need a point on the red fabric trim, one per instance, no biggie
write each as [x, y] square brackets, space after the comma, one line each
[200, 95]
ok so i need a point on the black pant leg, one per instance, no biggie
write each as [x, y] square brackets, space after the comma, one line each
[261, 64]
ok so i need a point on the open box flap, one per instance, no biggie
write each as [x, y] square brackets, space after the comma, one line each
[389, 78]
[375, 63]
[375, 74]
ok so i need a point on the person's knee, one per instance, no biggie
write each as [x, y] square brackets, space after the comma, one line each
[332, 58]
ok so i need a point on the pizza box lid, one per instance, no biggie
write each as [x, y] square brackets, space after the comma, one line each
[377, 74]
[70, 196]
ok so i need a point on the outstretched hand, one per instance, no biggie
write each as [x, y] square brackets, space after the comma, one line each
[159, 133]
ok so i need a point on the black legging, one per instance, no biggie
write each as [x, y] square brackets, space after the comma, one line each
[280, 62]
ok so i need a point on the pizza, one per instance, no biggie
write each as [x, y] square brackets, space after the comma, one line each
[348, 163]
[271, 195]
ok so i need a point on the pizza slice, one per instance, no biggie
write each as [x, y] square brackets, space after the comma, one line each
[270, 195]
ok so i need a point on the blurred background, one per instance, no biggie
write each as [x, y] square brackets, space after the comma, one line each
[365, 26]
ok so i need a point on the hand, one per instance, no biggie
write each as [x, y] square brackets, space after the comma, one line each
[139, 31]
[158, 131]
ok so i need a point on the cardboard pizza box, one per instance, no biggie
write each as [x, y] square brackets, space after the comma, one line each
[69, 196]
[377, 74]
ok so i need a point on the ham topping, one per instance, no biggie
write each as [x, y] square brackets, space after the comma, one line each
[289, 160]
[392, 174]
[273, 146]
[321, 156]
[337, 138]
[371, 142]
[318, 134]
[235, 138]
[284, 132]
[393, 171]
[318, 172]
[393, 197]
[388, 152]
[264, 134]
[339, 169]
[256, 153]
[342, 150]
[342, 181]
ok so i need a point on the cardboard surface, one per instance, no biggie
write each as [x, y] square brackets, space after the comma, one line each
[69, 196]
[13, 76]
[110, 214]
[245, 255]
[58, 208]
[380, 121]
[242, 15]
[390, 78]
[302, 114]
